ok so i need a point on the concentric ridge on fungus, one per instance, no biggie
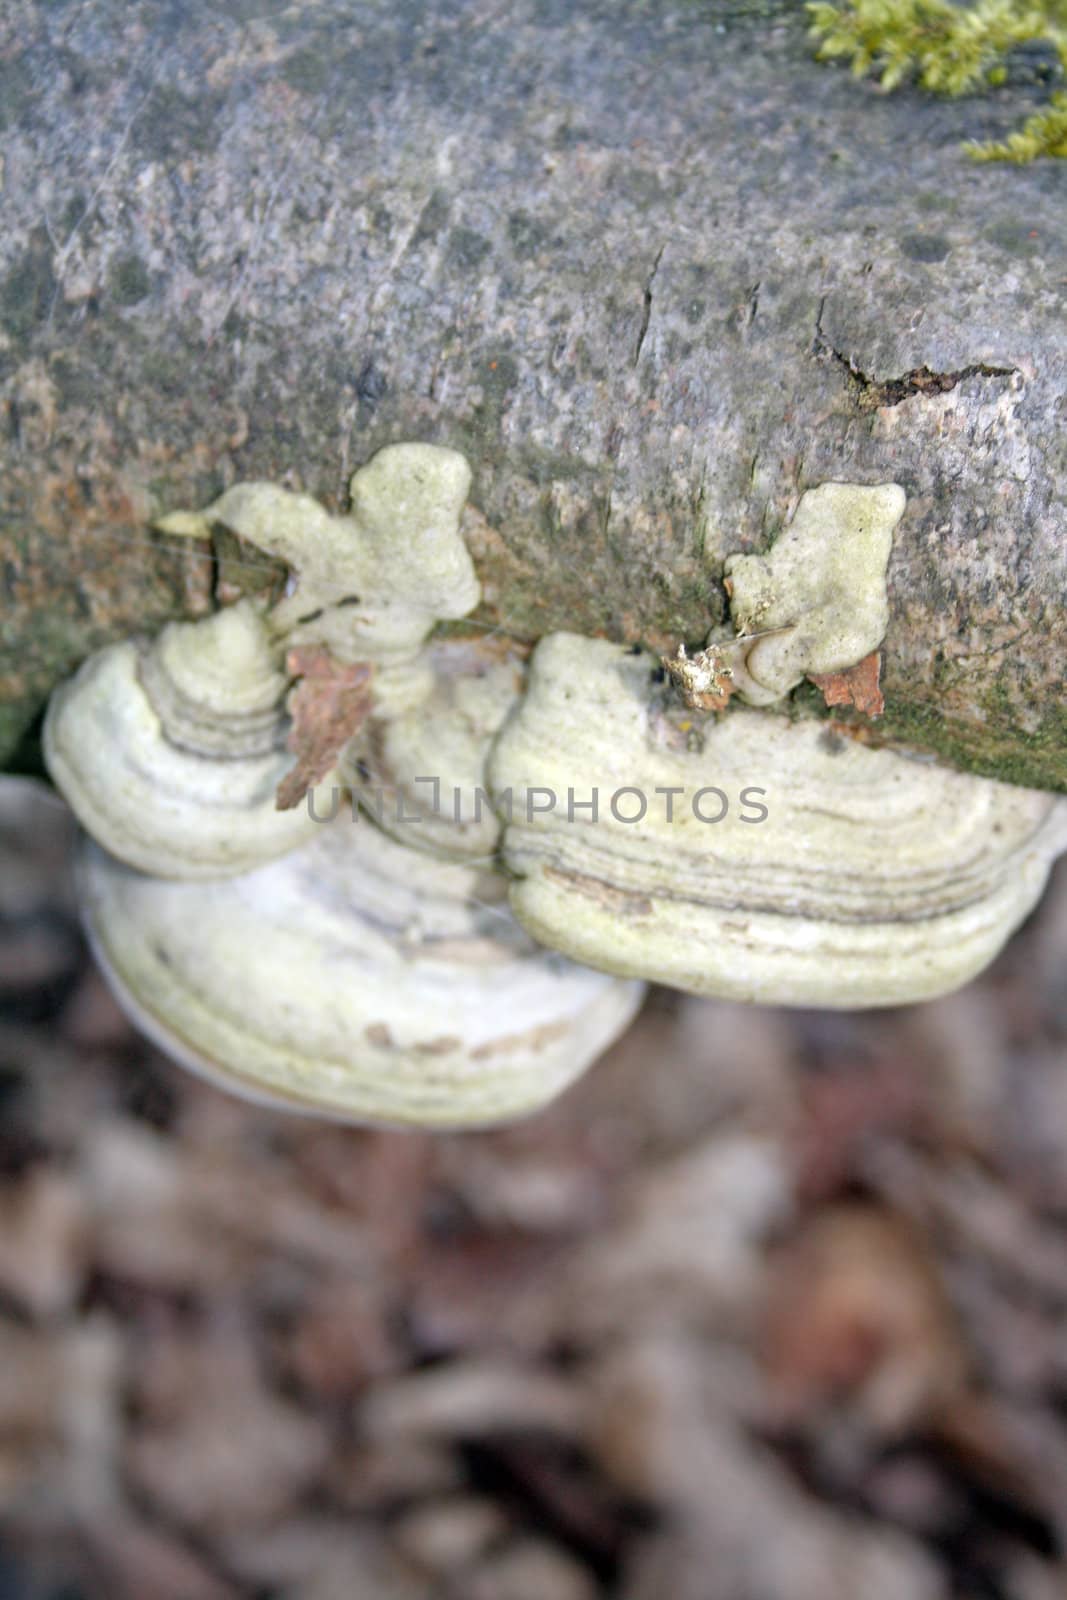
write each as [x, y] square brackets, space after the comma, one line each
[874, 879]
[353, 978]
[375, 973]
[171, 752]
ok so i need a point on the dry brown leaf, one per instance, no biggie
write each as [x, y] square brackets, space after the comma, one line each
[215, 1448]
[329, 704]
[858, 1314]
[857, 686]
[42, 1242]
[135, 1557]
[590, 1291]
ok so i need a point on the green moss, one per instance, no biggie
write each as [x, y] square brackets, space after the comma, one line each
[1017, 238]
[1043, 134]
[527, 234]
[990, 749]
[951, 49]
[78, 385]
[309, 71]
[25, 754]
[434, 217]
[74, 211]
[166, 370]
[924, 246]
[16, 89]
[496, 375]
[175, 125]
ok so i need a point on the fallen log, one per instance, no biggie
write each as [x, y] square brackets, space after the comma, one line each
[650, 267]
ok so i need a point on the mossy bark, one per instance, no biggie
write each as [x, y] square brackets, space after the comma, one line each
[648, 265]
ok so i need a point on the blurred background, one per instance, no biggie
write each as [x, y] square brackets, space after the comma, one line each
[772, 1306]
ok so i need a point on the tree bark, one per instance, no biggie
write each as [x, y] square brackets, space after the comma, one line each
[648, 265]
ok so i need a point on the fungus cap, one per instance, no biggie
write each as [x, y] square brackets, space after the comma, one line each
[368, 585]
[873, 879]
[354, 978]
[170, 752]
[817, 601]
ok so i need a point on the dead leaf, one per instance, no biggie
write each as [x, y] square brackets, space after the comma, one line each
[858, 1316]
[857, 686]
[329, 704]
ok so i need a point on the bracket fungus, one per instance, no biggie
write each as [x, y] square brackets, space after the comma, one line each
[758, 858]
[170, 753]
[374, 970]
[371, 584]
[430, 761]
[333, 969]
[356, 978]
[815, 603]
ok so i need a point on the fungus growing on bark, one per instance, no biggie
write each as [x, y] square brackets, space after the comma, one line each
[756, 858]
[815, 604]
[374, 970]
[355, 978]
[368, 585]
[171, 752]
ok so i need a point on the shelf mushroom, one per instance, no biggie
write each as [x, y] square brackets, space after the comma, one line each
[353, 978]
[421, 773]
[387, 973]
[329, 969]
[171, 752]
[756, 858]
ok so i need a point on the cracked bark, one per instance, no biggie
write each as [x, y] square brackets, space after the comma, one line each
[266, 247]
[892, 391]
[646, 315]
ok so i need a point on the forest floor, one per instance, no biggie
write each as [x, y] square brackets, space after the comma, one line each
[772, 1306]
